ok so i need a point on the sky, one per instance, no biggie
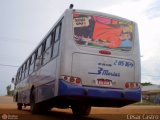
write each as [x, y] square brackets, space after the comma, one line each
[23, 24]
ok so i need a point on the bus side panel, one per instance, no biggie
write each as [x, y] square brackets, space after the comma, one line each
[22, 94]
[47, 82]
[62, 64]
[136, 56]
[45, 91]
[44, 81]
[66, 45]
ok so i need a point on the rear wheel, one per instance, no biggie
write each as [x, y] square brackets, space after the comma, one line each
[19, 106]
[33, 106]
[81, 110]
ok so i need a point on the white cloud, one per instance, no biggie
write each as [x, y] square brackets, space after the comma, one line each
[149, 38]
[154, 9]
[133, 10]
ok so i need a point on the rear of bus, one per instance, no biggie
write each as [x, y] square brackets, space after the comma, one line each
[101, 60]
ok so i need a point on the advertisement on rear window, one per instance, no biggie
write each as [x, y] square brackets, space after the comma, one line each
[102, 32]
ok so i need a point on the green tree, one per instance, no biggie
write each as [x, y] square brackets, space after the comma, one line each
[146, 84]
[9, 91]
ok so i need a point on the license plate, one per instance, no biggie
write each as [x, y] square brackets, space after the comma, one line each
[104, 82]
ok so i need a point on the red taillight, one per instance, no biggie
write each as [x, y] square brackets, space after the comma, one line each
[78, 80]
[105, 52]
[71, 79]
[127, 85]
[132, 85]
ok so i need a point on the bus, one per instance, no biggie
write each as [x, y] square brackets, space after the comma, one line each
[86, 59]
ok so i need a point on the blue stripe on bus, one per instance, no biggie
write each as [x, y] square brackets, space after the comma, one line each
[66, 89]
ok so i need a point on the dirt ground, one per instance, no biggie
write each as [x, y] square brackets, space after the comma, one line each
[8, 111]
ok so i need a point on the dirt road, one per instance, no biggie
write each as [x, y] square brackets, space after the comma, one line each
[8, 111]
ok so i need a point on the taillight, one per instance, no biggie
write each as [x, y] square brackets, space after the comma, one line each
[65, 77]
[132, 85]
[127, 85]
[78, 80]
[71, 79]
[105, 52]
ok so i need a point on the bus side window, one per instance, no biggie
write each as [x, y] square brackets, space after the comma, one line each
[20, 75]
[57, 41]
[48, 42]
[26, 71]
[17, 78]
[47, 50]
[23, 68]
[53, 37]
[58, 31]
[55, 49]
[31, 65]
[38, 58]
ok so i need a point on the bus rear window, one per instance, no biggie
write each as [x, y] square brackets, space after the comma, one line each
[102, 32]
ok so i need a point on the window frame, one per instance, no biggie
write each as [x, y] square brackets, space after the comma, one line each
[59, 25]
[31, 63]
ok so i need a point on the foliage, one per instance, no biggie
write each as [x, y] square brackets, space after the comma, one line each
[146, 84]
[9, 91]
[144, 102]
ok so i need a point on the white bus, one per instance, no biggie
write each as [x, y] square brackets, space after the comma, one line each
[86, 59]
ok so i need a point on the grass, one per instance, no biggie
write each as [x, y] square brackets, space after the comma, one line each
[144, 102]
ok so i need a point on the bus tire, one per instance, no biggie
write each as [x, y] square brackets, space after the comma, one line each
[33, 106]
[17, 97]
[19, 106]
[80, 110]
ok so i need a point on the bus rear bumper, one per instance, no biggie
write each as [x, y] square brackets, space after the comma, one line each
[122, 96]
